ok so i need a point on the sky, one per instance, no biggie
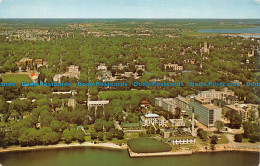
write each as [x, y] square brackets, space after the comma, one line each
[129, 8]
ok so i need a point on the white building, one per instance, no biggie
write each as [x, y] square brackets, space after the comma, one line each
[102, 66]
[207, 113]
[72, 103]
[176, 122]
[100, 103]
[152, 119]
[213, 94]
[72, 69]
[174, 67]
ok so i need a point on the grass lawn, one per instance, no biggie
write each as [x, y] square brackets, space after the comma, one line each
[16, 78]
[223, 140]
[148, 145]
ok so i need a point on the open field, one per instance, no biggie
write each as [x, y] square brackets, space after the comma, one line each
[147, 145]
[16, 78]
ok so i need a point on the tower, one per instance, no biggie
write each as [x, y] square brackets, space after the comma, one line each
[192, 125]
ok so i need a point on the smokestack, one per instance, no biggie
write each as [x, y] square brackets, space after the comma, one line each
[192, 125]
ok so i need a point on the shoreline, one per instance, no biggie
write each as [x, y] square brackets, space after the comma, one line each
[59, 146]
[124, 147]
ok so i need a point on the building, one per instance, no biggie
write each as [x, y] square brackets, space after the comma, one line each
[144, 104]
[242, 109]
[100, 103]
[140, 67]
[213, 94]
[183, 103]
[120, 67]
[131, 126]
[207, 113]
[34, 77]
[168, 104]
[182, 136]
[231, 99]
[31, 64]
[152, 119]
[177, 122]
[102, 66]
[74, 70]
[173, 67]
[72, 103]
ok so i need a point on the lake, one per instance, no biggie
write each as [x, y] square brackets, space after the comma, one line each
[105, 157]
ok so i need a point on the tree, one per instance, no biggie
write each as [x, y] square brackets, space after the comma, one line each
[93, 134]
[79, 135]
[109, 136]
[109, 125]
[120, 134]
[98, 125]
[238, 137]
[67, 136]
[219, 125]
[252, 115]
[202, 134]
[55, 125]
[214, 139]
[235, 118]
[100, 136]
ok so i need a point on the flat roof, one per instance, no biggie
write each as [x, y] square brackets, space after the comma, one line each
[99, 102]
[151, 115]
[210, 106]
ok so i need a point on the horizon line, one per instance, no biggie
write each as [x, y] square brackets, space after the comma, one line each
[120, 18]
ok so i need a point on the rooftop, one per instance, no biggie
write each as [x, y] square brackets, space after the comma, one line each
[151, 116]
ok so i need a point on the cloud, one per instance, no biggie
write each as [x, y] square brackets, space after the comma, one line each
[257, 1]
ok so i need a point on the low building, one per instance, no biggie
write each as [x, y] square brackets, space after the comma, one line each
[182, 136]
[131, 126]
[231, 99]
[144, 104]
[140, 67]
[152, 119]
[177, 122]
[173, 67]
[74, 70]
[207, 113]
[100, 103]
[102, 66]
[72, 103]
[242, 109]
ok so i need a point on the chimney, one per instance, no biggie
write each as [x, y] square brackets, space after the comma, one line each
[192, 126]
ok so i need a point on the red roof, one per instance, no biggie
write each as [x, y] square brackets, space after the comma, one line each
[32, 74]
[144, 102]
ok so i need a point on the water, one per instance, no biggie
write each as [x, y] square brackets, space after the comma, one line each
[243, 30]
[105, 157]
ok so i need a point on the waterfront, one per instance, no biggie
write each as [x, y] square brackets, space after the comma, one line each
[78, 156]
